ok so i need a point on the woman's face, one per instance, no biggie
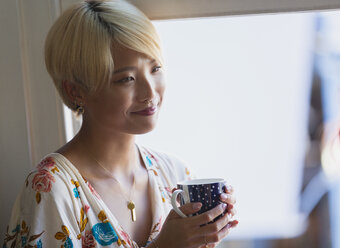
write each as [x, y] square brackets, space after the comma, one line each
[132, 101]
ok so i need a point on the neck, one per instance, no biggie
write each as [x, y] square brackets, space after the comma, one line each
[117, 152]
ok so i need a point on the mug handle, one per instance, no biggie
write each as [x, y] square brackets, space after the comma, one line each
[174, 201]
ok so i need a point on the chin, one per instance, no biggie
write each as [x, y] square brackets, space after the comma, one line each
[143, 129]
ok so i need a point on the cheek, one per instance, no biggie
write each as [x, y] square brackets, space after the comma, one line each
[161, 86]
[114, 104]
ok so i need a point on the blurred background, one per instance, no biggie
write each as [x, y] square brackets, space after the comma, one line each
[254, 99]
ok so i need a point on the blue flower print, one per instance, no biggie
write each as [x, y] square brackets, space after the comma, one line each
[16, 229]
[39, 244]
[149, 161]
[68, 243]
[23, 241]
[104, 233]
[76, 193]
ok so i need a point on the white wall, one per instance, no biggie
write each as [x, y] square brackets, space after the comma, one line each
[31, 113]
[14, 149]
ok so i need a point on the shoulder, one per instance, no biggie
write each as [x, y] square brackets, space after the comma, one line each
[47, 187]
[49, 178]
[44, 204]
[171, 164]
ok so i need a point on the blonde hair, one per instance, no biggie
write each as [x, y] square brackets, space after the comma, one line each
[78, 47]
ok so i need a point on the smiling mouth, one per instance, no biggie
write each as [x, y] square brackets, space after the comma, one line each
[147, 111]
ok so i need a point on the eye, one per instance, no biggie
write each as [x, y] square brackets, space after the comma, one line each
[156, 68]
[126, 80]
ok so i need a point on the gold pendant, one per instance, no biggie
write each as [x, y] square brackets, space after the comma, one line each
[131, 206]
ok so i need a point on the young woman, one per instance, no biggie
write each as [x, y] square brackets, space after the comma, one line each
[102, 189]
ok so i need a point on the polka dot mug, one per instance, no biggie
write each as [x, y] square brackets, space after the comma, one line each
[207, 191]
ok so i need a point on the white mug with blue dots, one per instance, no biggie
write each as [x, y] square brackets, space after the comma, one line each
[207, 191]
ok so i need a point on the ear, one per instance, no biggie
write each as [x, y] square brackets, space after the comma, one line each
[74, 92]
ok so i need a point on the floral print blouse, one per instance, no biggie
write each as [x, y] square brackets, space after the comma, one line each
[57, 207]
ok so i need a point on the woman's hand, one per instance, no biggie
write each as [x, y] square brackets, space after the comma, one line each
[230, 200]
[189, 233]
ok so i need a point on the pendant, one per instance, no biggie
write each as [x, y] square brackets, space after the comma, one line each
[131, 206]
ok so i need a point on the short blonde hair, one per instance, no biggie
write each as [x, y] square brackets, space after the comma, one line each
[78, 47]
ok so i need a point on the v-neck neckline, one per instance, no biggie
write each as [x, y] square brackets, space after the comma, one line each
[147, 164]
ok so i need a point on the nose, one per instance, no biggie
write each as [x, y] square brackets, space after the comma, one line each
[147, 89]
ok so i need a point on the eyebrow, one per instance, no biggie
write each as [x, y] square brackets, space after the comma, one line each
[130, 68]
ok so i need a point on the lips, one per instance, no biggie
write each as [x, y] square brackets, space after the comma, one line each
[147, 111]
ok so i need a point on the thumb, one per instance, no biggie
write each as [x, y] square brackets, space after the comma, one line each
[187, 209]
[191, 208]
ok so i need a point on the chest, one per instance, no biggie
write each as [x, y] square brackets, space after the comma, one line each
[117, 202]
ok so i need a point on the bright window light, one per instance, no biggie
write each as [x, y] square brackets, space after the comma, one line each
[236, 107]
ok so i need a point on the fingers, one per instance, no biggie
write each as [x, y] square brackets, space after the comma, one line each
[230, 200]
[191, 208]
[216, 237]
[232, 211]
[212, 240]
[228, 189]
[213, 245]
[216, 226]
[232, 224]
[227, 198]
[187, 209]
[209, 215]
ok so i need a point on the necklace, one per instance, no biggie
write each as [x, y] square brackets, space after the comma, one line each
[130, 204]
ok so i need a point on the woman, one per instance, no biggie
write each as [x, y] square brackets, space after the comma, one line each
[102, 189]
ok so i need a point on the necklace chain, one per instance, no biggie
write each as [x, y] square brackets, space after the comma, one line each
[130, 204]
[120, 185]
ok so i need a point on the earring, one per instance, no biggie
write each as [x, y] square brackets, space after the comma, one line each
[80, 108]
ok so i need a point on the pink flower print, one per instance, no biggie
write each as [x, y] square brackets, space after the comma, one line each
[125, 237]
[86, 208]
[42, 182]
[94, 192]
[168, 191]
[88, 240]
[47, 163]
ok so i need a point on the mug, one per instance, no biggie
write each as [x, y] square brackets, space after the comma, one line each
[207, 191]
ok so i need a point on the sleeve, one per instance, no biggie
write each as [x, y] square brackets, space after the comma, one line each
[43, 214]
[174, 168]
[182, 170]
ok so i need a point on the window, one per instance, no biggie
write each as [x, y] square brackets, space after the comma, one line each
[236, 107]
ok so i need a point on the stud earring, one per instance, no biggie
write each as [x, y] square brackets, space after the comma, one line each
[80, 108]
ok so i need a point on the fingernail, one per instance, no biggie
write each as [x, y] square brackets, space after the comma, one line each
[197, 206]
[232, 224]
[224, 206]
[224, 196]
[228, 188]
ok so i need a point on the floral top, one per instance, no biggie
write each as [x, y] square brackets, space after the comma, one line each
[57, 207]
